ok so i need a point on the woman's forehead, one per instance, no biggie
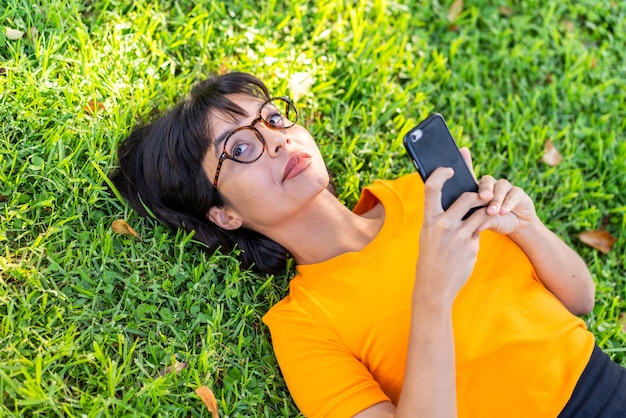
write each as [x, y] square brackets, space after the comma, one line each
[250, 104]
[240, 107]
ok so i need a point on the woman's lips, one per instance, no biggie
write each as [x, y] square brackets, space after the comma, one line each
[296, 164]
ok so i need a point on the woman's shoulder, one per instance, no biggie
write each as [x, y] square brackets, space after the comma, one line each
[402, 183]
[407, 183]
[406, 186]
[409, 187]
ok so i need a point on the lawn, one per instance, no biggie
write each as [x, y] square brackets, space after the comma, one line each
[96, 323]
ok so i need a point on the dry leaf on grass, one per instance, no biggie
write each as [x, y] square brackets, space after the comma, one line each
[455, 11]
[300, 85]
[120, 226]
[14, 34]
[176, 368]
[551, 155]
[569, 26]
[209, 400]
[505, 11]
[599, 239]
[92, 106]
[622, 321]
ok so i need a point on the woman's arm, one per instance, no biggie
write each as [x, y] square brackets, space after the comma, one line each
[559, 267]
[429, 388]
[429, 383]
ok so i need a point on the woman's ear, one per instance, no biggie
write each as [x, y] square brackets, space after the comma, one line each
[224, 217]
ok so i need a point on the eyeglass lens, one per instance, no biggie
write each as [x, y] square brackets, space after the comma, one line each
[246, 144]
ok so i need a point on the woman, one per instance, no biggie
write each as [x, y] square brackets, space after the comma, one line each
[397, 308]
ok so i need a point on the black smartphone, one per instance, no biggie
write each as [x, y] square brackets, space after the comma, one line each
[431, 145]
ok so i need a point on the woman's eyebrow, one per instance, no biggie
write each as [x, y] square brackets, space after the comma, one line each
[217, 144]
[218, 141]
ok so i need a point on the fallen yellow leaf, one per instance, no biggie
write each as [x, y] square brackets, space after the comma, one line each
[120, 226]
[209, 400]
[569, 26]
[300, 85]
[551, 155]
[621, 320]
[176, 368]
[505, 11]
[92, 106]
[14, 34]
[455, 11]
[599, 239]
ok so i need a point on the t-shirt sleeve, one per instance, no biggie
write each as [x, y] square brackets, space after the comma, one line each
[324, 377]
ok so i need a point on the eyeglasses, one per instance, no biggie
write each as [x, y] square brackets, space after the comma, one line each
[245, 144]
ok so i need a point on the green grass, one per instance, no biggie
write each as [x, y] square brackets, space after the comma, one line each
[89, 318]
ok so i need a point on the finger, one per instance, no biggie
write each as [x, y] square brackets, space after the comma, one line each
[488, 223]
[512, 199]
[466, 202]
[485, 188]
[467, 158]
[477, 221]
[500, 191]
[432, 191]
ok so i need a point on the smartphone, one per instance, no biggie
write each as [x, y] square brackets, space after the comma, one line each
[431, 145]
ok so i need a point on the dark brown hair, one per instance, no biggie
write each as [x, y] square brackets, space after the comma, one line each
[160, 170]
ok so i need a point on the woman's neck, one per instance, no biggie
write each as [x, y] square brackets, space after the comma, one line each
[326, 229]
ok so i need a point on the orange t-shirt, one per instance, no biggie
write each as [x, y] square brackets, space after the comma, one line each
[341, 335]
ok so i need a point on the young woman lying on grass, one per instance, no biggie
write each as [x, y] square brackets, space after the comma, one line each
[397, 308]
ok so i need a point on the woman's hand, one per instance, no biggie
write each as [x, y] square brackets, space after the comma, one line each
[509, 208]
[444, 237]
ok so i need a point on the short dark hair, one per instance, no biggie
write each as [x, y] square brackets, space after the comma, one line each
[160, 171]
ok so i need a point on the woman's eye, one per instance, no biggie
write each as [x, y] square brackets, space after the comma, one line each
[239, 150]
[276, 120]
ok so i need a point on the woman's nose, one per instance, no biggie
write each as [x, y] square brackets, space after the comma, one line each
[275, 139]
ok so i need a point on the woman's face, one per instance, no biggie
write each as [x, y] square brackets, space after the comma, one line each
[262, 194]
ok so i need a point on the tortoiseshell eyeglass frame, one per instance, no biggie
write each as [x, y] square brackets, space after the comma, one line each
[274, 101]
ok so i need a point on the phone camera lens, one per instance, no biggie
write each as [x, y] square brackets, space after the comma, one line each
[416, 135]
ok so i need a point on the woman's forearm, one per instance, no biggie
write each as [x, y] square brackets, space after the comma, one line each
[558, 266]
[429, 388]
